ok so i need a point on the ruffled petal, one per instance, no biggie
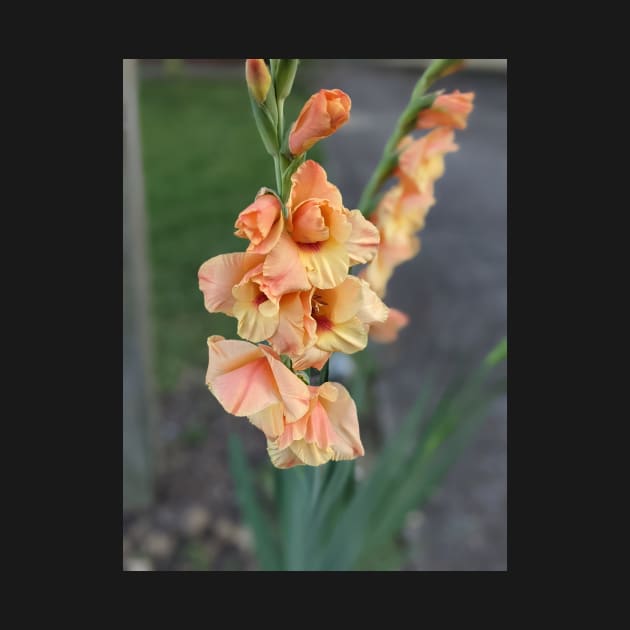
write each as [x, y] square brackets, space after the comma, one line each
[261, 222]
[292, 324]
[364, 239]
[347, 337]
[341, 303]
[310, 453]
[308, 223]
[270, 420]
[282, 457]
[326, 266]
[372, 308]
[218, 276]
[310, 182]
[283, 270]
[253, 324]
[388, 330]
[293, 391]
[240, 377]
[312, 357]
[342, 414]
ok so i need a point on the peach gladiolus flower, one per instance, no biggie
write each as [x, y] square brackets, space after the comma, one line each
[422, 161]
[233, 284]
[296, 328]
[322, 238]
[261, 222]
[250, 380]
[342, 313]
[387, 331]
[398, 216]
[315, 323]
[391, 254]
[448, 110]
[258, 79]
[321, 116]
[328, 431]
[342, 317]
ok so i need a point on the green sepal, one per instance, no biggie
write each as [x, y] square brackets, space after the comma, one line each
[266, 127]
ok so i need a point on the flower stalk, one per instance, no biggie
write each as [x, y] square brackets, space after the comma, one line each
[418, 101]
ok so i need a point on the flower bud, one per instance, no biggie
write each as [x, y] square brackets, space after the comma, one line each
[448, 110]
[321, 116]
[284, 77]
[258, 79]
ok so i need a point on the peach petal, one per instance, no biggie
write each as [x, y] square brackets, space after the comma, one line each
[321, 116]
[342, 302]
[338, 221]
[312, 357]
[310, 454]
[372, 309]
[308, 223]
[448, 110]
[342, 414]
[282, 457]
[348, 337]
[328, 266]
[364, 238]
[253, 324]
[246, 379]
[295, 430]
[292, 325]
[268, 243]
[283, 270]
[218, 275]
[258, 220]
[332, 431]
[293, 391]
[387, 331]
[319, 431]
[328, 391]
[247, 389]
[270, 420]
[311, 182]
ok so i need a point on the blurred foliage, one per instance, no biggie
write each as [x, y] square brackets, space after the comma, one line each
[322, 518]
[203, 164]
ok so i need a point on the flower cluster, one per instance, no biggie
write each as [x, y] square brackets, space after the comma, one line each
[291, 292]
[303, 424]
[401, 212]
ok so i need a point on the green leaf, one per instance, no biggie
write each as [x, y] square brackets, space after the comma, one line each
[409, 468]
[351, 532]
[266, 550]
[294, 511]
[498, 354]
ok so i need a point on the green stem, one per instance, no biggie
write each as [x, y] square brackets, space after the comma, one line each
[404, 124]
[280, 162]
[278, 171]
[323, 373]
[280, 122]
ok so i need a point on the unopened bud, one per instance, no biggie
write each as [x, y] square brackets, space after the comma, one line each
[258, 79]
[284, 77]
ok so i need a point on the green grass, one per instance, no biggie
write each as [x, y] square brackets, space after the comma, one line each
[203, 163]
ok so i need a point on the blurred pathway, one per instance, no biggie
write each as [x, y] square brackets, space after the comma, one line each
[455, 291]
